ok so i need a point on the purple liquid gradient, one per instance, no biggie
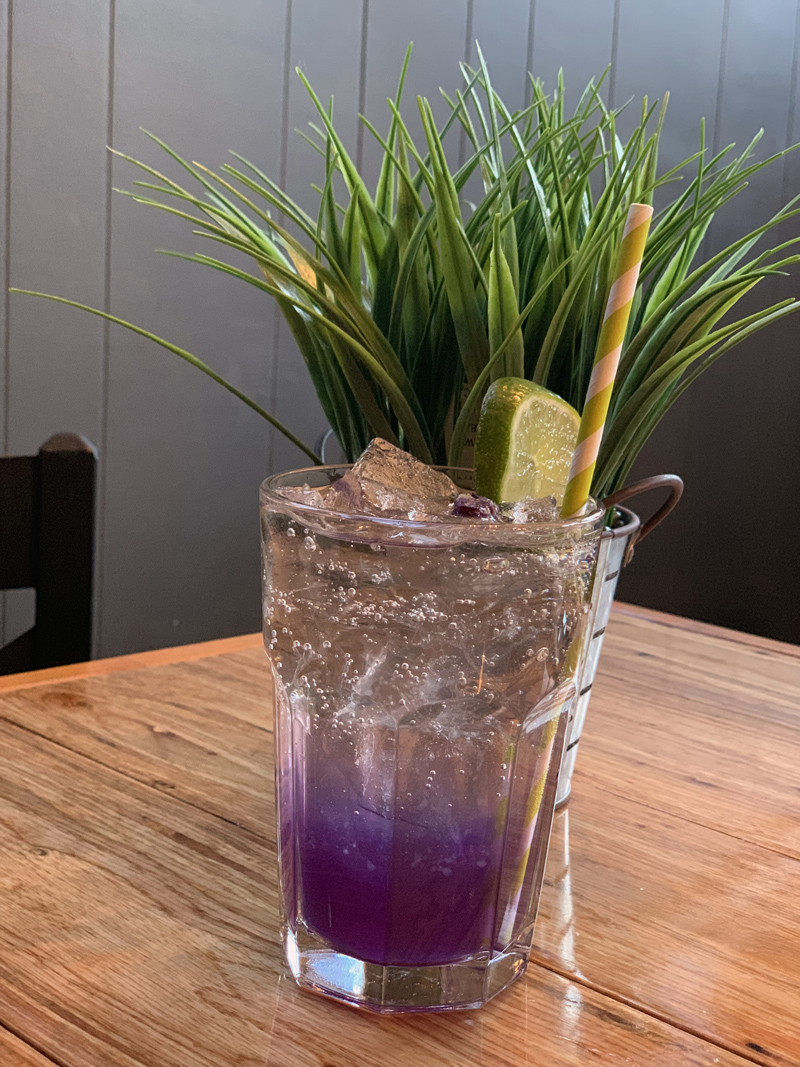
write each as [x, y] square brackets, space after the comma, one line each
[395, 891]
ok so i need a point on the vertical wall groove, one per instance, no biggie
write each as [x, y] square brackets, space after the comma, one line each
[284, 155]
[7, 250]
[790, 117]
[7, 274]
[104, 374]
[723, 57]
[362, 81]
[612, 78]
[527, 90]
[468, 43]
[468, 32]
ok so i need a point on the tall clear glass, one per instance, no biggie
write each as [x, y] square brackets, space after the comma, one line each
[421, 704]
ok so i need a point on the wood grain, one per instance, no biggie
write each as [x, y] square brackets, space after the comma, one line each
[200, 732]
[543, 1020]
[134, 928]
[15, 1053]
[114, 664]
[699, 726]
[695, 626]
[676, 918]
[137, 930]
[139, 901]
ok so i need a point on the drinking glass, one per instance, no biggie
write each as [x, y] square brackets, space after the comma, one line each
[421, 703]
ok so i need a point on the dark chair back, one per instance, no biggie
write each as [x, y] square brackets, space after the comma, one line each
[47, 542]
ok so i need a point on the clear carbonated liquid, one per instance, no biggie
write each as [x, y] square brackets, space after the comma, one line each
[408, 752]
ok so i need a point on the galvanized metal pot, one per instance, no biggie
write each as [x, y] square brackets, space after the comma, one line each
[623, 532]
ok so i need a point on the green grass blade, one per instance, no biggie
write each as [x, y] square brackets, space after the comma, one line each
[458, 259]
[384, 193]
[503, 311]
[188, 357]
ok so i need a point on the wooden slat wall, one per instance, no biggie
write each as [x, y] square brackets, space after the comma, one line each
[58, 110]
[5, 209]
[735, 436]
[180, 459]
[325, 43]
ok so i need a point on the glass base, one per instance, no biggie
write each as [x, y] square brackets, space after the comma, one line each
[467, 983]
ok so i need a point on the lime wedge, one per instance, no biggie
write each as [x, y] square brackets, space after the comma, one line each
[526, 437]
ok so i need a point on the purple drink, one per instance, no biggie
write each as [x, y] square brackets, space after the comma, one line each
[402, 894]
[419, 734]
[402, 867]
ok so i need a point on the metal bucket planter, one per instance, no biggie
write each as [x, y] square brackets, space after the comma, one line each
[622, 534]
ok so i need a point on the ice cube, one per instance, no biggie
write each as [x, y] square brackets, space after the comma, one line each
[452, 761]
[387, 481]
[454, 719]
[545, 509]
[395, 469]
[304, 494]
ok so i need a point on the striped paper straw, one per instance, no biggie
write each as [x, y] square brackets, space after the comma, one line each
[606, 360]
[531, 819]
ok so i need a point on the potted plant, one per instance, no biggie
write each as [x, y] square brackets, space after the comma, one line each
[387, 294]
[408, 303]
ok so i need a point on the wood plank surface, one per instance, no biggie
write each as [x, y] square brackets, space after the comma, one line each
[688, 923]
[115, 664]
[543, 1021]
[699, 726]
[139, 931]
[696, 626]
[134, 929]
[201, 732]
[15, 1053]
[139, 918]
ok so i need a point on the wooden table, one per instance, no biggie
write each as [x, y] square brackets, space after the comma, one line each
[138, 893]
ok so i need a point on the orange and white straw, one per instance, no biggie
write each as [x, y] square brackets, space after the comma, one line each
[531, 820]
[606, 361]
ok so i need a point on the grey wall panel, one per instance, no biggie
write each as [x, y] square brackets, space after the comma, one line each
[676, 48]
[739, 429]
[504, 42]
[577, 37]
[184, 458]
[5, 129]
[326, 46]
[673, 46]
[439, 34]
[332, 71]
[360, 73]
[57, 181]
[5, 206]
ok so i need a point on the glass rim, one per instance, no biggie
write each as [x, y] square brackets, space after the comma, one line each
[268, 492]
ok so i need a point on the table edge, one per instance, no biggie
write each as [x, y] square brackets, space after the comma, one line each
[707, 629]
[134, 661]
[221, 646]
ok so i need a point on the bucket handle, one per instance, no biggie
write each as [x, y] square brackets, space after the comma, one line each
[656, 481]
